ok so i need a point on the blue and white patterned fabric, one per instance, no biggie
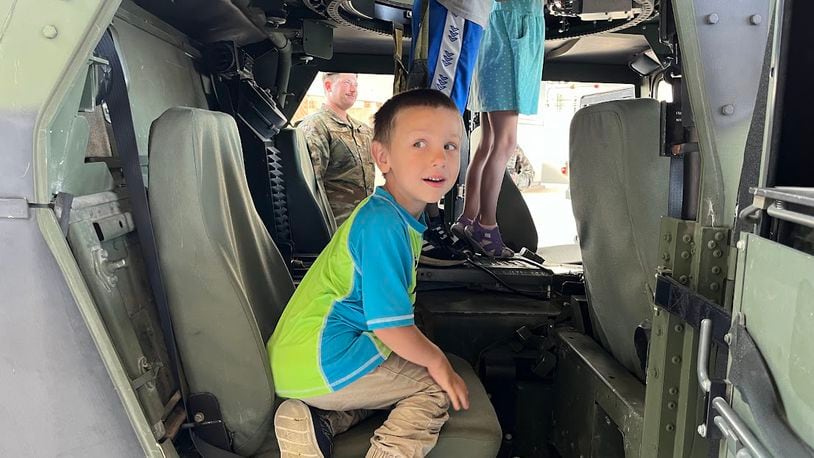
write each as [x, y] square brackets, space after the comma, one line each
[452, 50]
[510, 61]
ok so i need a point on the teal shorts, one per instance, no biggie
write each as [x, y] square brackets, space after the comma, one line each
[510, 61]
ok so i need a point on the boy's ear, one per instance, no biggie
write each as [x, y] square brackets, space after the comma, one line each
[381, 155]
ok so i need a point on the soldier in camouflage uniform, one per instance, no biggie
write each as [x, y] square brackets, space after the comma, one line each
[339, 147]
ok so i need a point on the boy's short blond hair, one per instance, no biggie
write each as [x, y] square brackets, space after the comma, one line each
[384, 118]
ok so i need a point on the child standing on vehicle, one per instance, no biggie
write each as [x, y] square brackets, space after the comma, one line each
[347, 343]
[506, 84]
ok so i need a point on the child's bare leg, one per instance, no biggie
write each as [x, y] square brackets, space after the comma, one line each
[504, 132]
[474, 174]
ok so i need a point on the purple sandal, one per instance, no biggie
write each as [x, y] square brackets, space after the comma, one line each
[491, 241]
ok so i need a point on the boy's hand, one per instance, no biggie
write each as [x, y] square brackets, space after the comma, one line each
[451, 383]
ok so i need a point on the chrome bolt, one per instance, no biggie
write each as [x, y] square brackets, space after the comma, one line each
[50, 32]
[728, 109]
[199, 417]
[755, 19]
[712, 18]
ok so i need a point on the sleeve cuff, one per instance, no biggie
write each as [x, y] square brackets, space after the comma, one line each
[391, 322]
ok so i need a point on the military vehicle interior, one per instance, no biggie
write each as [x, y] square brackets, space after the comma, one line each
[555, 351]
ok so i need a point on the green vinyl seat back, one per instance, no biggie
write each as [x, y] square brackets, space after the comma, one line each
[619, 192]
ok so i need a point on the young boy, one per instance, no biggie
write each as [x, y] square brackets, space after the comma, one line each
[346, 343]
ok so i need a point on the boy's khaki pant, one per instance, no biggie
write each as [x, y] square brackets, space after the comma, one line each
[419, 408]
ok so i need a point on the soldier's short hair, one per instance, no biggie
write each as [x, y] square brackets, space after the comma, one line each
[328, 75]
[383, 119]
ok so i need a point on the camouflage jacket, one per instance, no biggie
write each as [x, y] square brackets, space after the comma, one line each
[340, 152]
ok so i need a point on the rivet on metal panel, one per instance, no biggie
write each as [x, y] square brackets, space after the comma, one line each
[755, 19]
[711, 244]
[728, 109]
[712, 18]
[728, 338]
[665, 256]
[668, 237]
[676, 359]
[673, 390]
[685, 255]
[671, 405]
[679, 328]
[716, 270]
[714, 286]
[717, 253]
[687, 238]
[670, 427]
[49, 31]
[683, 279]
[719, 236]
[702, 430]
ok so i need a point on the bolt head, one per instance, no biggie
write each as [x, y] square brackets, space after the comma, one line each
[711, 244]
[716, 270]
[668, 237]
[728, 109]
[728, 338]
[670, 427]
[686, 238]
[717, 253]
[50, 32]
[714, 286]
[755, 19]
[671, 405]
[685, 255]
[719, 236]
[712, 18]
[683, 279]
[702, 430]
[673, 390]
[678, 328]
[676, 359]
[199, 417]
[741, 245]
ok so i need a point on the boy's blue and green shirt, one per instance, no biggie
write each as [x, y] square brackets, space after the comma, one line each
[364, 280]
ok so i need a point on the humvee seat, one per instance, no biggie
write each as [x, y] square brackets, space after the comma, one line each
[227, 285]
[619, 191]
[310, 216]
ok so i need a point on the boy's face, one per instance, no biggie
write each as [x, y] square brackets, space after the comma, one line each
[422, 158]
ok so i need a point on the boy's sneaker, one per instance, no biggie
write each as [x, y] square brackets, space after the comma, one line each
[302, 431]
[439, 248]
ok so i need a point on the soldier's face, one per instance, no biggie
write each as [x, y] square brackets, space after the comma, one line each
[422, 159]
[340, 90]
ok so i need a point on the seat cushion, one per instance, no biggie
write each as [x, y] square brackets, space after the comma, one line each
[226, 282]
[472, 433]
[619, 187]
